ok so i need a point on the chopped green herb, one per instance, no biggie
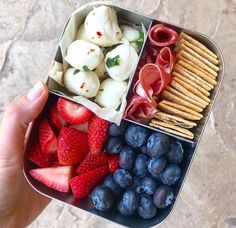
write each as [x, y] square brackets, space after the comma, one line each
[85, 68]
[101, 90]
[76, 71]
[140, 40]
[87, 91]
[113, 61]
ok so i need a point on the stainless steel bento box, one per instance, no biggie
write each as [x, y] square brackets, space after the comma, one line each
[189, 145]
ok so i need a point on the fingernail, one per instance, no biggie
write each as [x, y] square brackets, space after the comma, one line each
[36, 91]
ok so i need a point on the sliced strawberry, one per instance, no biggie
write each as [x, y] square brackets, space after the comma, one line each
[97, 130]
[38, 157]
[83, 184]
[72, 112]
[92, 161]
[56, 119]
[113, 163]
[57, 178]
[72, 146]
[47, 138]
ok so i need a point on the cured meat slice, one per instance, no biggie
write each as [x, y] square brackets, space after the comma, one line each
[140, 108]
[165, 59]
[162, 36]
[152, 80]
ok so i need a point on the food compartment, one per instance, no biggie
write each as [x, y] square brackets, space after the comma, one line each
[176, 81]
[75, 72]
[86, 203]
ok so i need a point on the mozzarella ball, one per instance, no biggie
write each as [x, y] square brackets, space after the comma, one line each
[129, 33]
[121, 62]
[81, 34]
[102, 27]
[82, 83]
[111, 93]
[101, 70]
[83, 55]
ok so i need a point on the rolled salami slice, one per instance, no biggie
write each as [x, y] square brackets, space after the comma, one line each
[162, 36]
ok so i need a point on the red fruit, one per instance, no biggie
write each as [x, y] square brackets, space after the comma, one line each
[47, 138]
[83, 184]
[72, 112]
[113, 163]
[38, 157]
[91, 162]
[72, 146]
[97, 130]
[56, 119]
[57, 178]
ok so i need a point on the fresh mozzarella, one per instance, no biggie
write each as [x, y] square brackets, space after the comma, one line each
[121, 62]
[83, 55]
[129, 33]
[81, 34]
[111, 93]
[101, 70]
[82, 83]
[102, 27]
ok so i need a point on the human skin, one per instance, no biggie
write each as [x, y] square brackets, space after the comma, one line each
[19, 203]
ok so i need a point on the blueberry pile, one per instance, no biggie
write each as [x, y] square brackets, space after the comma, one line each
[149, 167]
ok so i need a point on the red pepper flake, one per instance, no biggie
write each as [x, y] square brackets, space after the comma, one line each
[82, 86]
[99, 33]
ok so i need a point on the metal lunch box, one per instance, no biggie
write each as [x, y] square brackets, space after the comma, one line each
[190, 146]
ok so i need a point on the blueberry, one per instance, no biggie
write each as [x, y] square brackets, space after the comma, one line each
[127, 157]
[156, 166]
[141, 165]
[114, 145]
[147, 209]
[176, 152]
[158, 144]
[129, 203]
[163, 196]
[136, 136]
[137, 185]
[171, 174]
[149, 185]
[143, 149]
[123, 178]
[113, 186]
[102, 198]
[115, 130]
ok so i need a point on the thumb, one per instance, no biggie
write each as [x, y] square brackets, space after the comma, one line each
[16, 120]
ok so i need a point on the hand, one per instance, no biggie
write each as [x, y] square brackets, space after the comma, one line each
[19, 203]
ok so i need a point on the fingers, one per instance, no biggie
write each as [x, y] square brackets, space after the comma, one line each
[16, 120]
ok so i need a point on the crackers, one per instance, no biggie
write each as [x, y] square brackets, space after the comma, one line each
[194, 75]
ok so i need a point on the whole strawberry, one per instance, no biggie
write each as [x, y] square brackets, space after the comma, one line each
[72, 146]
[97, 130]
[83, 184]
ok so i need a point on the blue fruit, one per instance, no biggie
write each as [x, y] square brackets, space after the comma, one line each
[102, 198]
[115, 130]
[127, 157]
[141, 165]
[171, 175]
[176, 152]
[123, 178]
[147, 209]
[163, 196]
[116, 190]
[156, 166]
[136, 136]
[137, 185]
[114, 145]
[143, 149]
[158, 144]
[149, 185]
[129, 203]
